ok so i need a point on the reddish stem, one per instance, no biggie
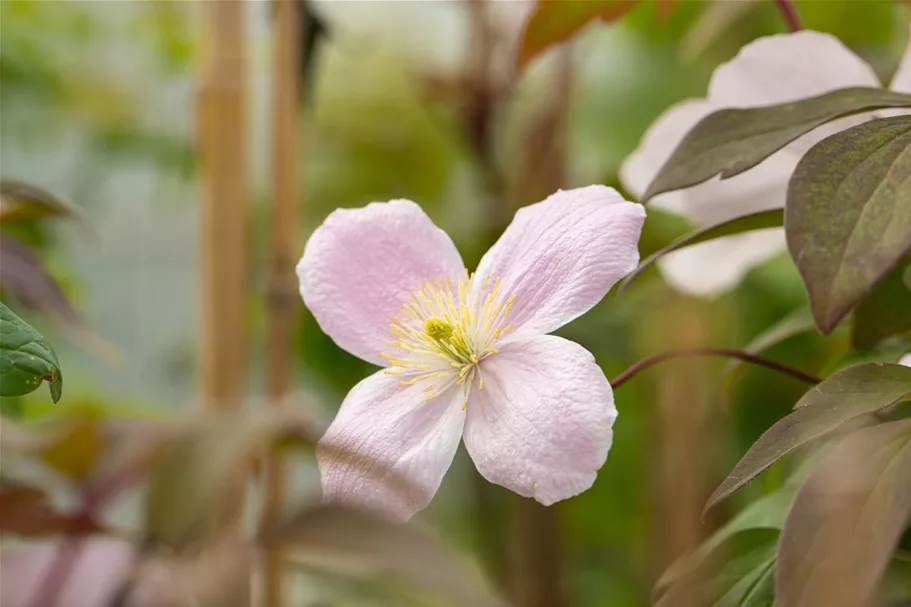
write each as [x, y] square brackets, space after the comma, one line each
[755, 359]
[789, 11]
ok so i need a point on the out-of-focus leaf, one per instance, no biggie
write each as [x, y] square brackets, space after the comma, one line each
[729, 142]
[553, 21]
[665, 7]
[76, 451]
[886, 311]
[713, 21]
[20, 201]
[756, 221]
[737, 574]
[197, 478]
[768, 512]
[26, 358]
[25, 511]
[349, 543]
[848, 218]
[846, 520]
[798, 322]
[23, 276]
[846, 395]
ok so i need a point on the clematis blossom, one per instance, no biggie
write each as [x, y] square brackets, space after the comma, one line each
[905, 360]
[771, 70]
[467, 356]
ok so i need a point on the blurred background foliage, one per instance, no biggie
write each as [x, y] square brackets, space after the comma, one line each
[98, 107]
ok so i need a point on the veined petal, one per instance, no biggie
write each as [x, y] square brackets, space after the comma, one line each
[388, 448]
[542, 425]
[711, 268]
[359, 265]
[787, 67]
[100, 566]
[561, 256]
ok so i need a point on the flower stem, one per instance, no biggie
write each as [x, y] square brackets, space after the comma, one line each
[789, 11]
[755, 359]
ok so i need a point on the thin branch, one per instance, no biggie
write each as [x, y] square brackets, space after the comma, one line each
[755, 359]
[789, 11]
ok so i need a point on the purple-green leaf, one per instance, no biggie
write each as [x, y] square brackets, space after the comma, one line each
[747, 223]
[729, 142]
[846, 520]
[846, 395]
[848, 214]
[886, 311]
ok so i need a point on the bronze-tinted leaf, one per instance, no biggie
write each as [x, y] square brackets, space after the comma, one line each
[729, 142]
[848, 218]
[886, 311]
[552, 22]
[20, 200]
[23, 276]
[844, 396]
[747, 223]
[846, 520]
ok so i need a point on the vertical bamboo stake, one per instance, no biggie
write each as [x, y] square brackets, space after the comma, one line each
[282, 302]
[222, 141]
[222, 147]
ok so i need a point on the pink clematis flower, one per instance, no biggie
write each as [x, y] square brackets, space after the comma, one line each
[770, 70]
[467, 356]
[905, 360]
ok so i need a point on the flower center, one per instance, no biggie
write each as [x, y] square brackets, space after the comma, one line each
[442, 334]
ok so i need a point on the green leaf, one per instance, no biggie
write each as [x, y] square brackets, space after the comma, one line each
[738, 574]
[848, 217]
[756, 221]
[844, 396]
[26, 358]
[554, 22]
[768, 512]
[886, 311]
[846, 520]
[729, 142]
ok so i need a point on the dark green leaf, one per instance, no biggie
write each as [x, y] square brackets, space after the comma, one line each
[848, 217]
[729, 142]
[886, 311]
[26, 358]
[846, 520]
[844, 396]
[553, 22]
[738, 573]
[756, 221]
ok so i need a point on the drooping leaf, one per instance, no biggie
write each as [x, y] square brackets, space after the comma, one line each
[19, 200]
[767, 512]
[737, 574]
[23, 276]
[747, 223]
[26, 358]
[886, 311]
[729, 142]
[552, 22]
[848, 218]
[844, 396]
[846, 520]
[352, 544]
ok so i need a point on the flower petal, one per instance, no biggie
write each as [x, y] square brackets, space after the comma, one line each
[901, 82]
[711, 268]
[359, 264]
[388, 447]
[99, 568]
[561, 256]
[905, 360]
[786, 67]
[541, 426]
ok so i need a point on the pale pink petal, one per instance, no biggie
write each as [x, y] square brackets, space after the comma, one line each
[360, 263]
[786, 67]
[561, 256]
[397, 446]
[541, 426]
[99, 566]
[659, 141]
[905, 360]
[901, 82]
[711, 268]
